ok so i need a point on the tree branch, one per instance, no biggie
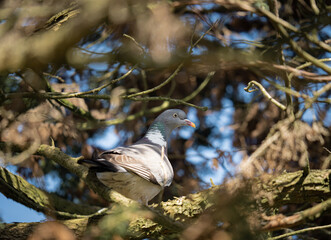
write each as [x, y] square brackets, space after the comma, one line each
[280, 221]
[284, 189]
[300, 231]
[18, 189]
[250, 88]
[180, 66]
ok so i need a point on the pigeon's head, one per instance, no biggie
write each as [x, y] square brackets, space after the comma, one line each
[174, 118]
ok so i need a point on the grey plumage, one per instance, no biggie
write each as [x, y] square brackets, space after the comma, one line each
[142, 170]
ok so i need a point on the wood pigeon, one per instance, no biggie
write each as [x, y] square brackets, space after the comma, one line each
[142, 170]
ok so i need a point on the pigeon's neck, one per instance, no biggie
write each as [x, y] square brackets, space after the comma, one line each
[158, 134]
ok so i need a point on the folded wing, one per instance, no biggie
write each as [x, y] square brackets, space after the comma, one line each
[116, 161]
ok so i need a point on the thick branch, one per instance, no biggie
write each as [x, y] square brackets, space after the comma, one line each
[297, 188]
[18, 189]
[287, 188]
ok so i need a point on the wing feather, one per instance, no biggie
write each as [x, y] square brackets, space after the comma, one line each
[129, 163]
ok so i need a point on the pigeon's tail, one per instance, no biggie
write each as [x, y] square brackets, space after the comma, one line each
[98, 164]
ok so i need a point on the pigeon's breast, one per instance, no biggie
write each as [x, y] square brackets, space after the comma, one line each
[130, 185]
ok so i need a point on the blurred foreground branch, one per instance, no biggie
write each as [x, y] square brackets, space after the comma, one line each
[286, 188]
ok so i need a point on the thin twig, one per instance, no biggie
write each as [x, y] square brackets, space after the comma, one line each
[199, 89]
[280, 23]
[54, 76]
[172, 100]
[302, 52]
[310, 101]
[160, 85]
[93, 124]
[200, 38]
[287, 80]
[251, 88]
[287, 90]
[258, 152]
[307, 64]
[163, 106]
[289, 26]
[300, 231]
[98, 89]
[179, 101]
[280, 221]
[172, 75]
[92, 52]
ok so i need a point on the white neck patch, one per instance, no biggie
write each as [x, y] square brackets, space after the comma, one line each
[156, 137]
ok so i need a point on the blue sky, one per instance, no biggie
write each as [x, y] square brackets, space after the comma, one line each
[11, 211]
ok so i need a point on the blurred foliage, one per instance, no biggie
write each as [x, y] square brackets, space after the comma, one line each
[61, 76]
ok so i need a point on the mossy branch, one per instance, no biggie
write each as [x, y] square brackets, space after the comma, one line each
[18, 189]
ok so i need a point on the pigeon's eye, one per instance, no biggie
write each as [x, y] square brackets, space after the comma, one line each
[175, 115]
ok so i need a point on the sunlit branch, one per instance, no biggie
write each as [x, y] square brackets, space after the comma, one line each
[309, 229]
[302, 52]
[89, 125]
[287, 90]
[179, 101]
[297, 71]
[95, 90]
[92, 52]
[289, 26]
[307, 64]
[280, 221]
[199, 89]
[160, 85]
[317, 94]
[163, 106]
[200, 38]
[314, 7]
[251, 88]
[54, 76]
[172, 100]
[310, 101]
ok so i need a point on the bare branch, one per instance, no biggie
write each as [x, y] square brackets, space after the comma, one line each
[250, 88]
[280, 221]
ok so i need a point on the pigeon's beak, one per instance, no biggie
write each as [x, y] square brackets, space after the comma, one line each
[189, 123]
